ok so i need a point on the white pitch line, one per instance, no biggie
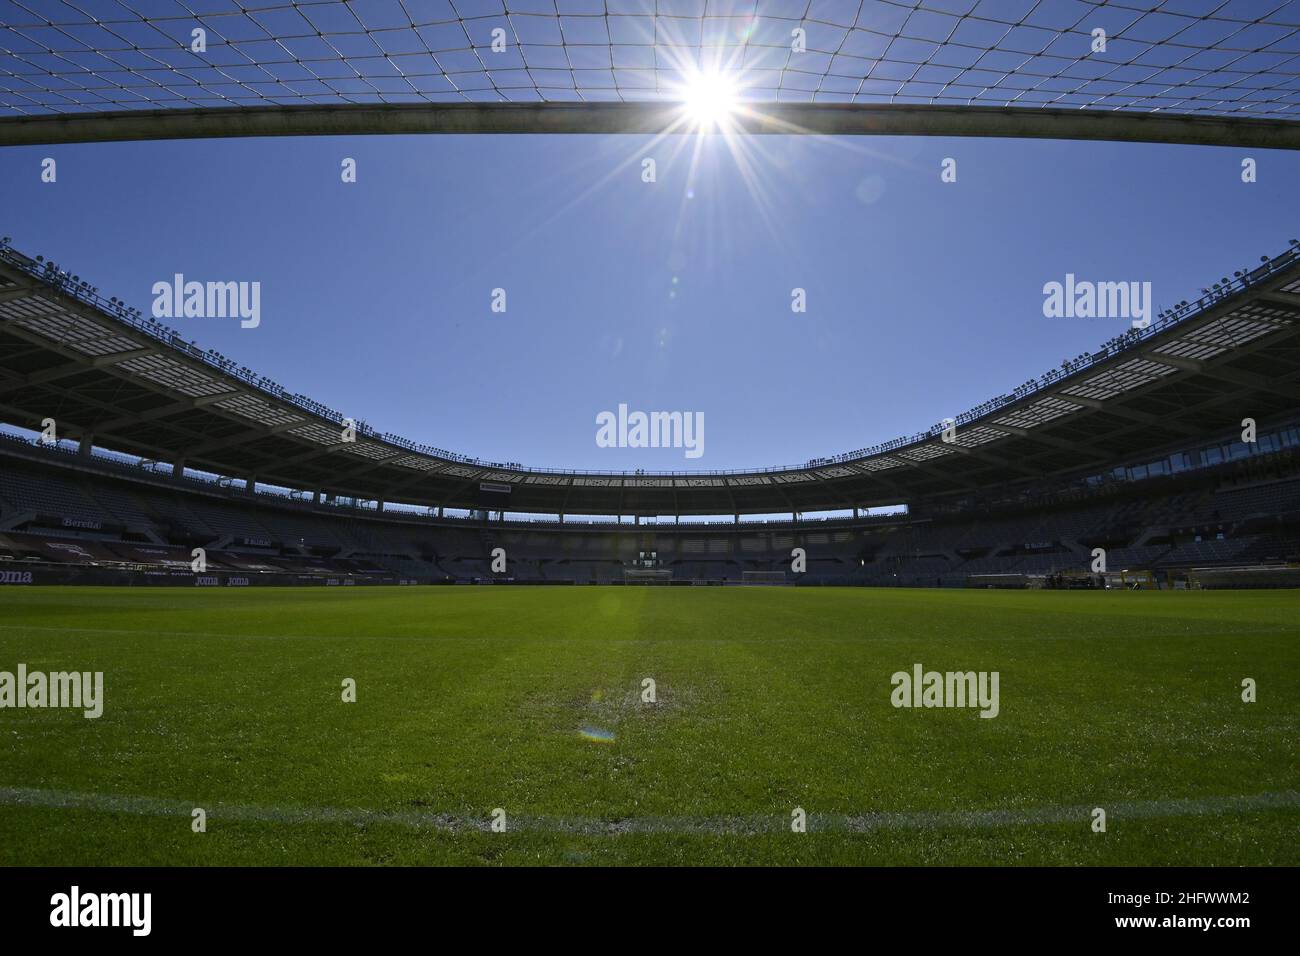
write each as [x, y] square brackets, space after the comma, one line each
[593, 826]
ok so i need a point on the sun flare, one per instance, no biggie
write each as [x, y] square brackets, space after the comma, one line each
[710, 99]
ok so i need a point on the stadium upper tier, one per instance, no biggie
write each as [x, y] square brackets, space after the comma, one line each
[113, 380]
[1165, 70]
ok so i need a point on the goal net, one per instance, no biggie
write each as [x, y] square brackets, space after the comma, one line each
[1169, 56]
[1259, 576]
[649, 576]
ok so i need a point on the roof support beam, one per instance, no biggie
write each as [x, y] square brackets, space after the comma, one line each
[252, 432]
[981, 453]
[1250, 380]
[108, 364]
[9, 295]
[366, 466]
[421, 476]
[166, 411]
[41, 377]
[16, 415]
[1059, 444]
[1282, 298]
[1120, 410]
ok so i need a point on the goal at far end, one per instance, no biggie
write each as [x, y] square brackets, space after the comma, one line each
[763, 577]
[647, 576]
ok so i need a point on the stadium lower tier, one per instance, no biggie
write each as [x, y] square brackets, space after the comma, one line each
[75, 522]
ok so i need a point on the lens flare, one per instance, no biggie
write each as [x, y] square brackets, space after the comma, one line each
[710, 98]
[744, 28]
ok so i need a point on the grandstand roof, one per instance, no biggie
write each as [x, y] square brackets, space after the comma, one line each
[136, 386]
[1164, 70]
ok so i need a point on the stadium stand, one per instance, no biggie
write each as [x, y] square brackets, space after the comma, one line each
[1135, 450]
[1147, 391]
[77, 525]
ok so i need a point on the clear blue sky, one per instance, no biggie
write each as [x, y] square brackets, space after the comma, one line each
[924, 298]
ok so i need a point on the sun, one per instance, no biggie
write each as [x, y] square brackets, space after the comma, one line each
[709, 99]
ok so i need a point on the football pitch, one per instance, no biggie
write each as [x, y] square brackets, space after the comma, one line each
[613, 725]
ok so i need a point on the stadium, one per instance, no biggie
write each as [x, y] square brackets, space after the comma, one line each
[1057, 628]
[1136, 449]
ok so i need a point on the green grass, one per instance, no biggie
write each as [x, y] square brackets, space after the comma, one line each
[768, 699]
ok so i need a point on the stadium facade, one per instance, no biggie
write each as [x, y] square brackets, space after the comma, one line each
[1171, 449]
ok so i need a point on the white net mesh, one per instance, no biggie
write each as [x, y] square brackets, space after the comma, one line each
[1239, 58]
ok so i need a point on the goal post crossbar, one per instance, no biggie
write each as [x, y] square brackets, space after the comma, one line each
[647, 118]
[1152, 71]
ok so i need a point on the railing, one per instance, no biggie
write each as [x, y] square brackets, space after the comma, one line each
[70, 285]
[1067, 493]
[114, 466]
